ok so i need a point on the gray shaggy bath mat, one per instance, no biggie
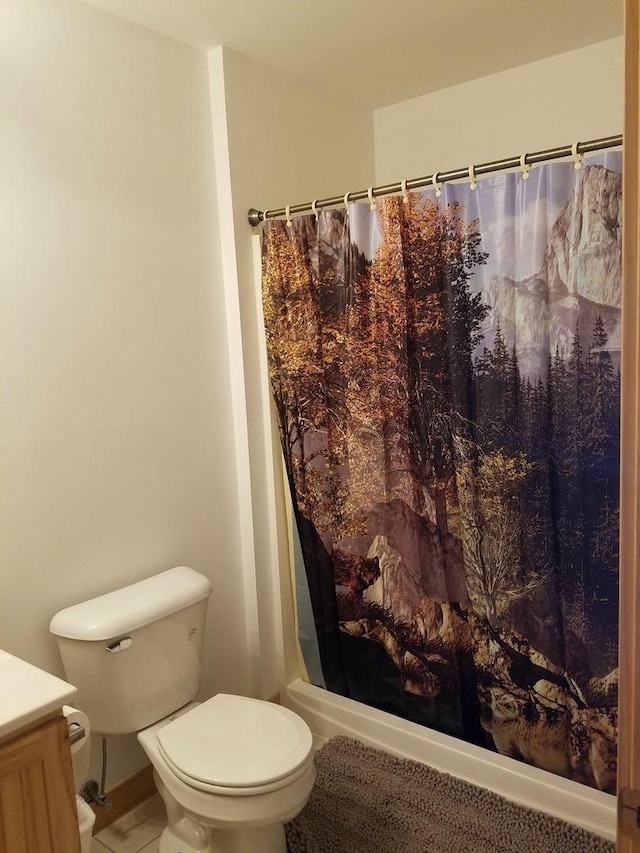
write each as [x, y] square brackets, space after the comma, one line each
[367, 801]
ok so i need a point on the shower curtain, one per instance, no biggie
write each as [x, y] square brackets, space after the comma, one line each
[445, 371]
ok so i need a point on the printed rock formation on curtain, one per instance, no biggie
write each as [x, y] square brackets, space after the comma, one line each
[446, 377]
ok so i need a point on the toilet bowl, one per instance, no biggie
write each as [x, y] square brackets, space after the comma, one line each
[231, 772]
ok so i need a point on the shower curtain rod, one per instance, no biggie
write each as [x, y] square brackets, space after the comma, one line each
[255, 216]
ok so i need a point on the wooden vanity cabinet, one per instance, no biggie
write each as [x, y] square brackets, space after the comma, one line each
[37, 800]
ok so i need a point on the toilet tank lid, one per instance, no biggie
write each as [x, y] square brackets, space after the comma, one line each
[123, 610]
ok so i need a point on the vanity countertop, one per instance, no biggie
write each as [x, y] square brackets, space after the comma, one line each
[28, 693]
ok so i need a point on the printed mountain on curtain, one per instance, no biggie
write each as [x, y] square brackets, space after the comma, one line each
[446, 378]
[580, 279]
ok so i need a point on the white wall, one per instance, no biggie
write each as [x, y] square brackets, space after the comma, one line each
[117, 452]
[570, 97]
[276, 142]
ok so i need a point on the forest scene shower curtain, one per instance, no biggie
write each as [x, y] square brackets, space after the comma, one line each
[445, 372]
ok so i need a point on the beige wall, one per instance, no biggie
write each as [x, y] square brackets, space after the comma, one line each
[276, 142]
[117, 452]
[570, 97]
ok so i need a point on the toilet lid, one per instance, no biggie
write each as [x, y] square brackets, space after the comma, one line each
[233, 741]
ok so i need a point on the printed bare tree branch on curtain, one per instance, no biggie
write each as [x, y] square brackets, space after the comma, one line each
[417, 324]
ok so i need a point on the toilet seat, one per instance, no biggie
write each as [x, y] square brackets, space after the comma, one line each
[249, 791]
[236, 746]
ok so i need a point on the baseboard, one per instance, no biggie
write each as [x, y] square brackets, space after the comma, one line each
[125, 796]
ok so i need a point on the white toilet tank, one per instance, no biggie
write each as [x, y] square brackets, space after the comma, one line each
[135, 654]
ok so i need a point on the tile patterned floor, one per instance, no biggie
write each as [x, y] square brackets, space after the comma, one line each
[138, 831]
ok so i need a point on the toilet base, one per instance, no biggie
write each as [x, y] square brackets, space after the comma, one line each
[186, 835]
[266, 839]
[170, 843]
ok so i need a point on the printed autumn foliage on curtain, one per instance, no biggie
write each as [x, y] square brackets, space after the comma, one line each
[446, 377]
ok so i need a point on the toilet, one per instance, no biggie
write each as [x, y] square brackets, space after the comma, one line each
[231, 771]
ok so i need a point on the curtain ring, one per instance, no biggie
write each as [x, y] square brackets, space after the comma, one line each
[372, 201]
[473, 184]
[287, 212]
[436, 185]
[265, 213]
[577, 158]
[314, 208]
[346, 202]
[405, 193]
[525, 167]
